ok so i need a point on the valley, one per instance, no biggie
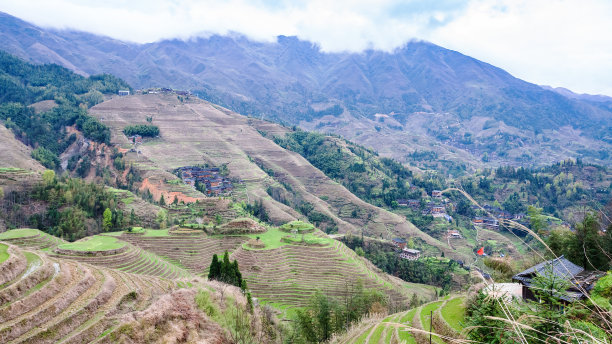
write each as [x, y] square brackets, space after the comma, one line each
[224, 190]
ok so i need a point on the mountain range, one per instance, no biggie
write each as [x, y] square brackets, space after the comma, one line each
[419, 100]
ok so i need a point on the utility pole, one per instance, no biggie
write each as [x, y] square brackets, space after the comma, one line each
[430, 324]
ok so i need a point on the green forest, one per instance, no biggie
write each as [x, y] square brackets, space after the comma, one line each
[23, 84]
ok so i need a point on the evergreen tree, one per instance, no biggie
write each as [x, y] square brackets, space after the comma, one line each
[162, 201]
[214, 272]
[227, 269]
[237, 276]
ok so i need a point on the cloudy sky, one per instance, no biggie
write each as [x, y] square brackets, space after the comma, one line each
[564, 43]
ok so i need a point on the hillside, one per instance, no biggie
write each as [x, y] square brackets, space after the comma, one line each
[48, 299]
[412, 326]
[420, 97]
[195, 132]
[13, 153]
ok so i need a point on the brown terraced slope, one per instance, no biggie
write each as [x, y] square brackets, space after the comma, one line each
[193, 131]
[46, 299]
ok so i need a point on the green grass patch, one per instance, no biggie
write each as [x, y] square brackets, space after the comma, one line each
[273, 238]
[113, 234]
[426, 320]
[407, 318]
[3, 252]
[11, 170]
[406, 336]
[375, 337]
[361, 339]
[19, 233]
[299, 226]
[94, 243]
[156, 233]
[454, 313]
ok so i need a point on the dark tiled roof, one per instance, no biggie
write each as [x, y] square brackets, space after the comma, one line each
[561, 267]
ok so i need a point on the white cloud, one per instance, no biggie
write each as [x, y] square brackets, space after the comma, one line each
[560, 43]
[557, 42]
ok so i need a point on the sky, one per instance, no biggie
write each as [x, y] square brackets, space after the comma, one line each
[562, 43]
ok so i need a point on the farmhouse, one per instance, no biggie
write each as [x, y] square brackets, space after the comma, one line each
[410, 254]
[436, 193]
[124, 93]
[580, 280]
[453, 234]
[399, 242]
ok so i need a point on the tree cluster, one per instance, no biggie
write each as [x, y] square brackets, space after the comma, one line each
[144, 130]
[427, 271]
[379, 181]
[226, 271]
[587, 246]
[324, 315]
[73, 208]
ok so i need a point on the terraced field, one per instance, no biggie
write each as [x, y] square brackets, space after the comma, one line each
[397, 328]
[31, 238]
[192, 251]
[284, 273]
[290, 274]
[122, 256]
[50, 300]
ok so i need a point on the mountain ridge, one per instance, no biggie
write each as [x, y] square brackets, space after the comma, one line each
[286, 80]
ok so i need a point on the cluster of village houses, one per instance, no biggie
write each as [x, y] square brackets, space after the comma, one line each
[581, 280]
[210, 177]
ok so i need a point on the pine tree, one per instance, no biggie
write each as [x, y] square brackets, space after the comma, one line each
[227, 269]
[215, 268]
[237, 276]
[162, 202]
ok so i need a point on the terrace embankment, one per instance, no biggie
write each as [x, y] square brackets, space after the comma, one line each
[119, 255]
[193, 251]
[51, 300]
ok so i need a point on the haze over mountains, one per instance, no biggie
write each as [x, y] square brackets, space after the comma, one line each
[421, 97]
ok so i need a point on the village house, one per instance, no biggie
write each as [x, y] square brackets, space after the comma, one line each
[402, 202]
[580, 280]
[410, 254]
[135, 139]
[438, 211]
[486, 222]
[399, 243]
[123, 93]
[436, 193]
[453, 234]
